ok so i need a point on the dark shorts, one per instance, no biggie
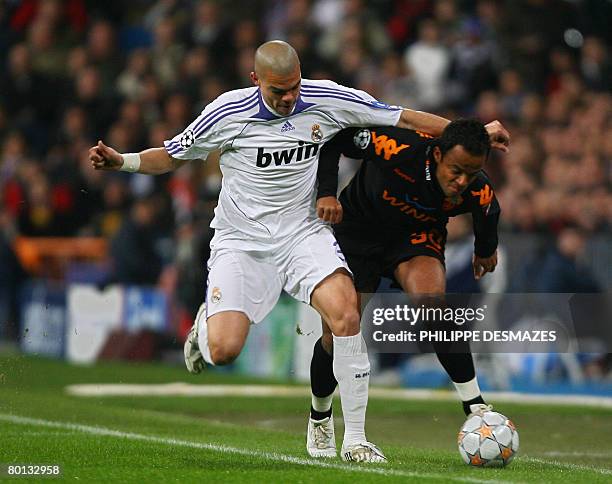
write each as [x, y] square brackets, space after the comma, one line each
[372, 253]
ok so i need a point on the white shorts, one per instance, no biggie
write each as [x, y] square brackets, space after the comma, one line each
[252, 281]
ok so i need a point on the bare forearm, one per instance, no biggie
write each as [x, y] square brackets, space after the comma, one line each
[422, 121]
[156, 161]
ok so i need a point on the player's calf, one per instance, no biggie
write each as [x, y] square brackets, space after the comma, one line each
[322, 382]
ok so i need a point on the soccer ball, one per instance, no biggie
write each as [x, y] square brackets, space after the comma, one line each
[488, 439]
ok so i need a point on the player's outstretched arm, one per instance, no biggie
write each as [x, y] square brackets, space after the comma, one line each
[422, 121]
[434, 125]
[153, 161]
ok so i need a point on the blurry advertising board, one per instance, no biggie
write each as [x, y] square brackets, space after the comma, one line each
[92, 315]
[43, 319]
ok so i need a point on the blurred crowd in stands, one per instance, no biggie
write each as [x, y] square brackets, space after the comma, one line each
[136, 73]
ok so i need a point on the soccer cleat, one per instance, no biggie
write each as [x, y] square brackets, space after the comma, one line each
[363, 452]
[321, 439]
[479, 409]
[194, 361]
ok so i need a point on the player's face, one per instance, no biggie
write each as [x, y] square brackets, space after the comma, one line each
[280, 92]
[457, 169]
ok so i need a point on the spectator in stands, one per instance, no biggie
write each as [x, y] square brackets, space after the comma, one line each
[22, 90]
[428, 62]
[130, 82]
[133, 251]
[560, 270]
[12, 276]
[103, 54]
[115, 203]
[207, 26]
[512, 94]
[473, 59]
[449, 18]
[167, 53]
[595, 64]
[195, 67]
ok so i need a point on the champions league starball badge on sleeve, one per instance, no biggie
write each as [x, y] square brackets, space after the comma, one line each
[187, 139]
[362, 138]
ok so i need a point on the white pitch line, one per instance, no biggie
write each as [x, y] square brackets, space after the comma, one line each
[567, 465]
[593, 455]
[88, 429]
[193, 390]
[39, 434]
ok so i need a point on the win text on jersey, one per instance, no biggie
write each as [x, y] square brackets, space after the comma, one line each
[284, 157]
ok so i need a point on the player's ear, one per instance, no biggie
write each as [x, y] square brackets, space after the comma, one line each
[254, 78]
[437, 154]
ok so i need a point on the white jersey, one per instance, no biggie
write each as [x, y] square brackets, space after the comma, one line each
[269, 162]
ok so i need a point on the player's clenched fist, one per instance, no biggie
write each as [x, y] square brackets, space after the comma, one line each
[482, 265]
[103, 157]
[329, 209]
[499, 136]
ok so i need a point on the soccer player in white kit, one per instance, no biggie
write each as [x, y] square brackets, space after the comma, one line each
[268, 237]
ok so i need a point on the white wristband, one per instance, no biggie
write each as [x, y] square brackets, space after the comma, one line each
[131, 162]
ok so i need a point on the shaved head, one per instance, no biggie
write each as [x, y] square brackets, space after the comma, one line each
[277, 74]
[276, 57]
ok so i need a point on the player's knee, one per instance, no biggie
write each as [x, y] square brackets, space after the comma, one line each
[347, 323]
[223, 354]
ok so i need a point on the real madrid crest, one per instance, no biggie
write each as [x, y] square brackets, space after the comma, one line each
[216, 295]
[317, 134]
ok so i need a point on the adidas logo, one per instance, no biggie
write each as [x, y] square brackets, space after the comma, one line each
[287, 126]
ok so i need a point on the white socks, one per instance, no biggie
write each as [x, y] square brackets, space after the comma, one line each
[352, 370]
[322, 404]
[203, 336]
[469, 390]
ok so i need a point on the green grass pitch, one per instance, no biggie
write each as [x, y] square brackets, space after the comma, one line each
[262, 439]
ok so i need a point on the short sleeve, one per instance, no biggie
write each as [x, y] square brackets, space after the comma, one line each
[351, 107]
[209, 131]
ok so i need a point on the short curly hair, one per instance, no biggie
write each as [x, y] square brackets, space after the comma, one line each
[469, 133]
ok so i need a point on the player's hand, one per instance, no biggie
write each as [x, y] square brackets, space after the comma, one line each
[499, 136]
[482, 265]
[329, 209]
[103, 157]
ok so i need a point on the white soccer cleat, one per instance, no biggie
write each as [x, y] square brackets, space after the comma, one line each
[479, 409]
[363, 452]
[194, 361]
[321, 439]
